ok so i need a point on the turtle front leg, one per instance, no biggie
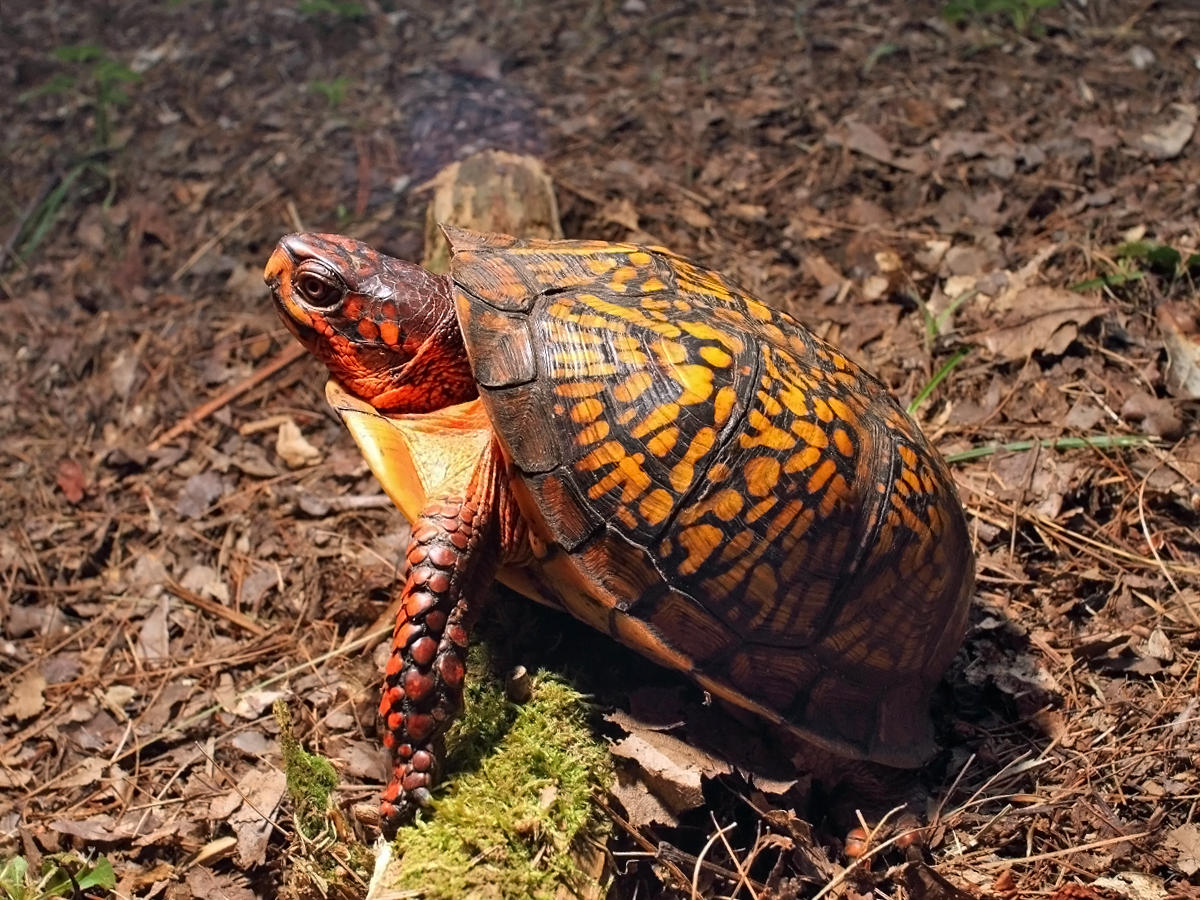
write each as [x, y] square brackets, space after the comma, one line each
[453, 554]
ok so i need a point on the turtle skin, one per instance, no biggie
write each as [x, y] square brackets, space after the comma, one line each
[718, 488]
[613, 430]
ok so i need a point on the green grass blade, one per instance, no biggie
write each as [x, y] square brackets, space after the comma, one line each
[1100, 441]
[937, 379]
[46, 215]
[940, 321]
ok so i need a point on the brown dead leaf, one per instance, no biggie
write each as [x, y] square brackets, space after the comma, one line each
[1186, 840]
[94, 830]
[1044, 319]
[199, 492]
[1132, 886]
[91, 230]
[160, 711]
[1054, 724]
[694, 216]
[821, 270]
[251, 459]
[747, 212]
[88, 771]
[923, 883]
[1075, 891]
[150, 219]
[930, 256]
[252, 704]
[203, 882]
[470, 56]
[621, 212]
[14, 778]
[293, 449]
[861, 138]
[124, 371]
[667, 766]
[1167, 139]
[642, 808]
[1005, 883]
[249, 809]
[957, 207]
[672, 769]
[971, 144]
[1181, 337]
[154, 644]
[206, 581]
[359, 759]
[27, 697]
[1155, 415]
[71, 481]
[105, 828]
[245, 283]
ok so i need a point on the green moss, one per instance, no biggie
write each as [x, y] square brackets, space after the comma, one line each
[507, 823]
[311, 779]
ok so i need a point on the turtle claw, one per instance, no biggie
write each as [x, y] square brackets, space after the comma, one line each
[408, 792]
[421, 796]
[395, 814]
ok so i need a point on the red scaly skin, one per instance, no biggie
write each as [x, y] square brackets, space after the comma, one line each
[423, 684]
[387, 331]
[386, 328]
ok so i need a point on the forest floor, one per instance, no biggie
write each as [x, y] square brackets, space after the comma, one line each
[1012, 205]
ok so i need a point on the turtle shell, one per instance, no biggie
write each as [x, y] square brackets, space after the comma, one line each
[719, 489]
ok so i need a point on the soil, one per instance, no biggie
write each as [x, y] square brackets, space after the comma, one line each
[187, 533]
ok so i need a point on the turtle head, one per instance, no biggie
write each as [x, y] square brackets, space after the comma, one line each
[386, 328]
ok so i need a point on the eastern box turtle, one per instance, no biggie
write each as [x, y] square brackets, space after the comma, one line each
[614, 431]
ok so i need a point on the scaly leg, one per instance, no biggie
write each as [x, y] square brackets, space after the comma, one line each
[453, 554]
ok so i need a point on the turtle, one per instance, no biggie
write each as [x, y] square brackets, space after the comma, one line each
[618, 432]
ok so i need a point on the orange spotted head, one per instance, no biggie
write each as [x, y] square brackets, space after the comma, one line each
[386, 328]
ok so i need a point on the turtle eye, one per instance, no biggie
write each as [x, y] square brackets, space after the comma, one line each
[319, 288]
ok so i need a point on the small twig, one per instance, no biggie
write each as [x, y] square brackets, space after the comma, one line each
[286, 357]
[1154, 550]
[211, 606]
[974, 840]
[1105, 553]
[158, 797]
[866, 229]
[642, 842]
[233, 223]
[797, 165]
[294, 216]
[179, 727]
[1055, 854]
[837, 880]
[1020, 760]
[720, 834]
[1020, 501]
[233, 782]
[743, 878]
[937, 814]
[1071, 537]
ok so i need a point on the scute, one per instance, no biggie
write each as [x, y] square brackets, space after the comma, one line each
[570, 520]
[519, 414]
[746, 503]
[502, 347]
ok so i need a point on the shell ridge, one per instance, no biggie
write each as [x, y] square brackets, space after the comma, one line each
[853, 565]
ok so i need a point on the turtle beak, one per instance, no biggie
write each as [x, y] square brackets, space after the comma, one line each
[278, 276]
